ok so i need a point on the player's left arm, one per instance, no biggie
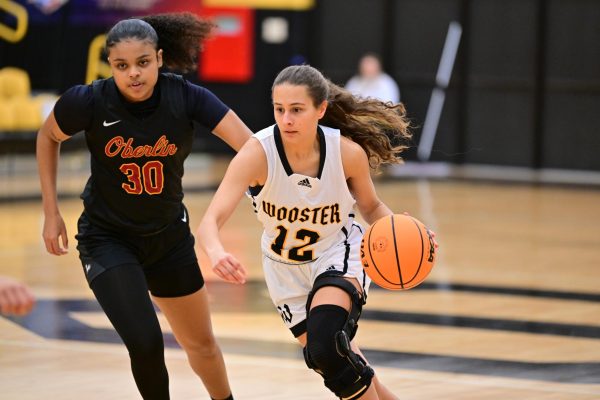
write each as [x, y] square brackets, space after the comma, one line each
[204, 107]
[358, 176]
[232, 130]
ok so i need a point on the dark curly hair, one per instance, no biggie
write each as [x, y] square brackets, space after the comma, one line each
[381, 129]
[178, 34]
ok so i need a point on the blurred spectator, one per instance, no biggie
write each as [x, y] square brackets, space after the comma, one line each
[15, 297]
[372, 81]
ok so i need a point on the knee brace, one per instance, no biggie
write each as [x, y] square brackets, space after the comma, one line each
[357, 301]
[329, 353]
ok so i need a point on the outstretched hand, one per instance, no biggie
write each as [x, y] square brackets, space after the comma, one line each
[228, 268]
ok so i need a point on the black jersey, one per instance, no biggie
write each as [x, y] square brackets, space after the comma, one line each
[137, 162]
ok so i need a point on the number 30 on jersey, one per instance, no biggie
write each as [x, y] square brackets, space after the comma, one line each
[149, 178]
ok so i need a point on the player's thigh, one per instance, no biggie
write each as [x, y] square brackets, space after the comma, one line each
[335, 295]
[289, 286]
[302, 339]
[176, 272]
[189, 316]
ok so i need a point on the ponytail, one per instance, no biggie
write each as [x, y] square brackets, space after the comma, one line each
[179, 35]
[381, 129]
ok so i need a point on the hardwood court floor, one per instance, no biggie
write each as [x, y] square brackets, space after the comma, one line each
[511, 310]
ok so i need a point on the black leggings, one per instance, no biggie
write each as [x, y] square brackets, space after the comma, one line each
[123, 294]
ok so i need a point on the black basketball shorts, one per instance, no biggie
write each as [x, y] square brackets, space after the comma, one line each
[167, 258]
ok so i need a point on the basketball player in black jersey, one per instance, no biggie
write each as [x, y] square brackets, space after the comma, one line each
[133, 235]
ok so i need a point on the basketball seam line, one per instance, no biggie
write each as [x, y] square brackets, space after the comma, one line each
[422, 248]
[373, 261]
[396, 251]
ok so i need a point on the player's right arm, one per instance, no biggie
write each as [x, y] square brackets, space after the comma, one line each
[72, 113]
[247, 168]
[47, 151]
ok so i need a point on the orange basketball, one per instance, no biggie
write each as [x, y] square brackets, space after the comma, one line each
[397, 252]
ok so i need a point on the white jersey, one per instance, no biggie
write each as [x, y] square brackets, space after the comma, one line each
[302, 216]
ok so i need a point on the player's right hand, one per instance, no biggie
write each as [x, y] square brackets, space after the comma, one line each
[228, 268]
[54, 233]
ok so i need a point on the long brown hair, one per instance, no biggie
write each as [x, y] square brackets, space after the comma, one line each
[381, 129]
[178, 34]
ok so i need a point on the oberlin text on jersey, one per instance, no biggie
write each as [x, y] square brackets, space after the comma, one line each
[118, 145]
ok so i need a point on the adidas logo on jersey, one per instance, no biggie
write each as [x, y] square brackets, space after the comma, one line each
[305, 182]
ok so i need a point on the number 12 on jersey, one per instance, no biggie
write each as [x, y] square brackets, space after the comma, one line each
[302, 252]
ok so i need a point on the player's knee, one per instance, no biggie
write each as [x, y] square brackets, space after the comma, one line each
[205, 346]
[147, 347]
[328, 352]
[321, 326]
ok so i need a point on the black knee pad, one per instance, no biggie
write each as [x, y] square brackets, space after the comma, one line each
[334, 278]
[328, 352]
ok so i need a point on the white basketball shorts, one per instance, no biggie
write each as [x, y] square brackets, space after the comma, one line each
[290, 284]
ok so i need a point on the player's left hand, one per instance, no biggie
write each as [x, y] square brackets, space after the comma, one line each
[435, 243]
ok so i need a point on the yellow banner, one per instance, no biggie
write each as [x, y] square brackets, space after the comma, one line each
[270, 4]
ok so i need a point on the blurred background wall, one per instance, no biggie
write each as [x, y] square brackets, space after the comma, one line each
[524, 91]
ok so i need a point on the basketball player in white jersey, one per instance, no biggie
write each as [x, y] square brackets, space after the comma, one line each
[304, 180]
